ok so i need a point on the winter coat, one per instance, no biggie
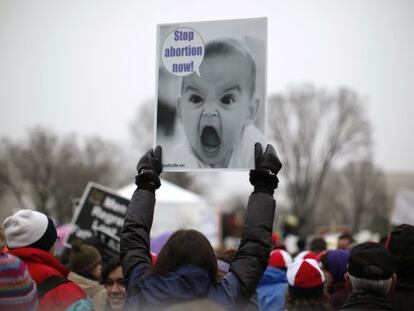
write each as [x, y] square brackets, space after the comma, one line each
[367, 302]
[271, 290]
[308, 305]
[401, 244]
[191, 282]
[337, 295]
[95, 291]
[43, 265]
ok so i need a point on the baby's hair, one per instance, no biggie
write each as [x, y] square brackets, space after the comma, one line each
[228, 46]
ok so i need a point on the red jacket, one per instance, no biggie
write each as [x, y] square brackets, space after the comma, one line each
[43, 265]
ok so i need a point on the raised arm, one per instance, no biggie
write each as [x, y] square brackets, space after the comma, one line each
[252, 255]
[135, 243]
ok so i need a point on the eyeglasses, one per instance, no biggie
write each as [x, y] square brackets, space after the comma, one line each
[111, 283]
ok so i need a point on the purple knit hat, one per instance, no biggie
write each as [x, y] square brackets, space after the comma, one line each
[337, 264]
[17, 290]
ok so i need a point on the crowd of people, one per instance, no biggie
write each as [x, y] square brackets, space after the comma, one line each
[188, 274]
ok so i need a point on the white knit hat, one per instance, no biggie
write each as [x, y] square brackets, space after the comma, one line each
[29, 228]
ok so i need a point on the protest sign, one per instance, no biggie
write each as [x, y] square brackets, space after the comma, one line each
[99, 215]
[211, 92]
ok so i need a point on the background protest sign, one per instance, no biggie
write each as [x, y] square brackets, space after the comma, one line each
[99, 215]
[211, 92]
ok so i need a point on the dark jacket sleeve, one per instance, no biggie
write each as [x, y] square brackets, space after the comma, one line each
[252, 256]
[135, 242]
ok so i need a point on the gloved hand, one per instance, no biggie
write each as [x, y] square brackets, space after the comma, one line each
[267, 165]
[149, 168]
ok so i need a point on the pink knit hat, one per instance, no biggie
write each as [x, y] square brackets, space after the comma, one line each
[17, 289]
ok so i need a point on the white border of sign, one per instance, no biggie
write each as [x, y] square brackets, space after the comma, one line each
[159, 61]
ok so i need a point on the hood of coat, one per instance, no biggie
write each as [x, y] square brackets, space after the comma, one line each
[41, 264]
[186, 282]
[273, 276]
[91, 287]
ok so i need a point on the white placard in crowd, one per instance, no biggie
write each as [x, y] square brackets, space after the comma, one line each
[211, 91]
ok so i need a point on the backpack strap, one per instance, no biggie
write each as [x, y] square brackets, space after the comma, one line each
[49, 284]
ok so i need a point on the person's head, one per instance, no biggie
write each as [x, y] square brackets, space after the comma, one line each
[113, 279]
[401, 244]
[186, 247]
[17, 289]
[301, 244]
[27, 228]
[334, 264]
[306, 285]
[370, 270]
[318, 245]
[85, 260]
[345, 241]
[279, 259]
[216, 106]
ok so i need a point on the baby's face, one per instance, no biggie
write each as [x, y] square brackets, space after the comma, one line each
[215, 107]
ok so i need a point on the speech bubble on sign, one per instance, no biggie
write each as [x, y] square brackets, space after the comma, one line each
[183, 52]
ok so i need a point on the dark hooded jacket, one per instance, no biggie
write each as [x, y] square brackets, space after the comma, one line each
[190, 282]
[401, 244]
[367, 302]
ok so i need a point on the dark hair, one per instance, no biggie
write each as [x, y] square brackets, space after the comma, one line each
[226, 255]
[318, 245]
[186, 247]
[297, 303]
[301, 244]
[108, 267]
[346, 235]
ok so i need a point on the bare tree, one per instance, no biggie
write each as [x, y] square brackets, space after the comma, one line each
[356, 196]
[315, 130]
[46, 173]
[368, 195]
[141, 128]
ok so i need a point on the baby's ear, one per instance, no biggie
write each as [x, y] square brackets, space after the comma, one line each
[178, 106]
[253, 109]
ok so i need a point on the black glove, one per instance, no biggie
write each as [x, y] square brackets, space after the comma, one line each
[149, 168]
[267, 164]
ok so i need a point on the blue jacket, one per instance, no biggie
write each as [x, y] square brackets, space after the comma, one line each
[186, 283]
[191, 282]
[272, 289]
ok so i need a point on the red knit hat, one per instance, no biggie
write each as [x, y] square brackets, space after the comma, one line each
[279, 259]
[305, 274]
[306, 255]
[312, 255]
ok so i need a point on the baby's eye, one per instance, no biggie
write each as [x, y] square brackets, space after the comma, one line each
[228, 99]
[195, 99]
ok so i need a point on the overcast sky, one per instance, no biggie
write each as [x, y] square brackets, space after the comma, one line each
[84, 66]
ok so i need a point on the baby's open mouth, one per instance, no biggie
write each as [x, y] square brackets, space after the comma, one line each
[210, 139]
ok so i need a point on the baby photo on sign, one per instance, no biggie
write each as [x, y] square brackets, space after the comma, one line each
[210, 108]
